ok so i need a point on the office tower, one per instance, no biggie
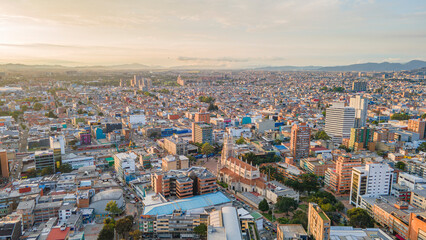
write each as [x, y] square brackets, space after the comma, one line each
[318, 223]
[361, 105]
[359, 86]
[202, 133]
[360, 137]
[4, 164]
[44, 159]
[300, 141]
[371, 180]
[339, 179]
[202, 116]
[338, 121]
[418, 126]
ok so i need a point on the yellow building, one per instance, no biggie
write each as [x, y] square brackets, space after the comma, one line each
[318, 223]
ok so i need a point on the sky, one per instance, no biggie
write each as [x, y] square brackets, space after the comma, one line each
[212, 33]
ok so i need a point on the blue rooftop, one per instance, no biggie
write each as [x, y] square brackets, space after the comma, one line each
[200, 201]
[281, 147]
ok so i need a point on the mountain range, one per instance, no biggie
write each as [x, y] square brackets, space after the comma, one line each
[362, 67]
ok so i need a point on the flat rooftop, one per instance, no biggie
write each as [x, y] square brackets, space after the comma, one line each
[200, 201]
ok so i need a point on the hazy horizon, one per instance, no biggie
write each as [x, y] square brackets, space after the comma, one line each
[212, 34]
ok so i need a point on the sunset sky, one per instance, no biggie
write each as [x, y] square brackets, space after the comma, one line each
[211, 33]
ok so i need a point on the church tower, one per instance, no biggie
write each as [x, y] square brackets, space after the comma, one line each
[228, 149]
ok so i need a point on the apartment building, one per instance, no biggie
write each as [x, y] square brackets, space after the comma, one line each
[44, 211]
[417, 126]
[360, 105]
[202, 133]
[417, 225]
[175, 145]
[300, 141]
[316, 166]
[174, 163]
[418, 198]
[360, 138]
[202, 116]
[44, 159]
[339, 179]
[4, 164]
[125, 167]
[318, 223]
[26, 208]
[371, 180]
[176, 225]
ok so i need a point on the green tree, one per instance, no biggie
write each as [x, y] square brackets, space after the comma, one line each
[422, 147]
[113, 208]
[101, 114]
[47, 171]
[285, 204]
[37, 106]
[400, 165]
[201, 230]
[207, 149]
[359, 217]
[423, 116]
[263, 205]
[31, 173]
[136, 235]
[65, 168]
[124, 225]
[107, 233]
[321, 135]
[400, 116]
[50, 114]
[240, 141]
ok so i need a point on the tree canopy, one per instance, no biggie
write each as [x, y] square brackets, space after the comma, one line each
[112, 208]
[124, 225]
[321, 135]
[201, 230]
[263, 205]
[285, 204]
[422, 147]
[400, 165]
[359, 217]
[207, 149]
[240, 141]
[400, 116]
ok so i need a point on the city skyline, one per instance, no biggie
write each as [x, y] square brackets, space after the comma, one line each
[215, 34]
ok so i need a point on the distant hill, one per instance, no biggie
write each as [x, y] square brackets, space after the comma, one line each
[377, 67]
[289, 68]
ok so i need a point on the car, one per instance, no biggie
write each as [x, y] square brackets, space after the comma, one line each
[132, 202]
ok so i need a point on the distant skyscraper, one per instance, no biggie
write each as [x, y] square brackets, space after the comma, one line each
[361, 105]
[359, 86]
[339, 121]
[300, 141]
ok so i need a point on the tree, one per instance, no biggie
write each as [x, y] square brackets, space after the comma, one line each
[107, 233]
[400, 165]
[309, 182]
[263, 205]
[240, 141]
[136, 235]
[37, 106]
[286, 204]
[47, 171]
[422, 147]
[359, 217]
[400, 116]
[50, 114]
[65, 168]
[31, 173]
[212, 107]
[124, 225]
[423, 116]
[201, 230]
[112, 208]
[321, 135]
[207, 149]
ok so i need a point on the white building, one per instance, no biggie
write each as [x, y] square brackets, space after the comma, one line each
[125, 165]
[77, 162]
[371, 180]
[410, 181]
[57, 142]
[136, 120]
[338, 121]
[238, 132]
[360, 105]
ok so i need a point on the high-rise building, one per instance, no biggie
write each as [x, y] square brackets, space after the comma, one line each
[339, 179]
[418, 126]
[180, 81]
[318, 223]
[360, 137]
[202, 133]
[417, 223]
[300, 141]
[125, 167]
[360, 105]
[338, 121]
[371, 180]
[359, 86]
[4, 164]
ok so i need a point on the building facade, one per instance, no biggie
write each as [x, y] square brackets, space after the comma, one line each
[318, 223]
[300, 141]
[339, 121]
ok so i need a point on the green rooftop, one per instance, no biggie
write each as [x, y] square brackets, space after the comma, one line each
[323, 216]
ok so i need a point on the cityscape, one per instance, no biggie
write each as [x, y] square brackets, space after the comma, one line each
[129, 136]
